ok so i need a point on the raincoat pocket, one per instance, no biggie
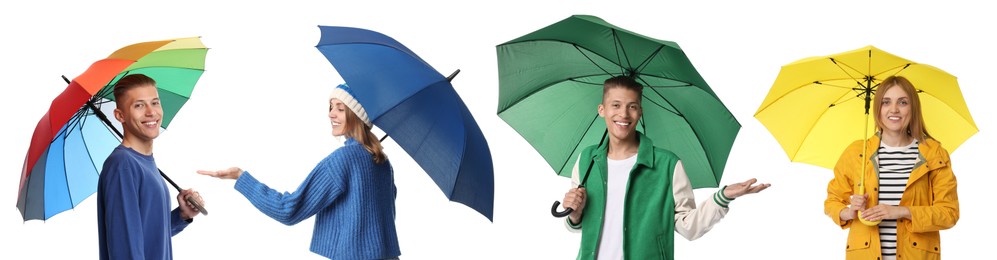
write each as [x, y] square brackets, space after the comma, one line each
[859, 241]
[925, 244]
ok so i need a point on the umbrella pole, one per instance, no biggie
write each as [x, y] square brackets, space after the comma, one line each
[103, 118]
[567, 211]
[865, 159]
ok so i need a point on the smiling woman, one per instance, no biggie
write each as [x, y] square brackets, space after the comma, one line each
[906, 161]
[351, 192]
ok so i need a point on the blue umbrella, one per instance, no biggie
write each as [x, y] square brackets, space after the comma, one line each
[415, 105]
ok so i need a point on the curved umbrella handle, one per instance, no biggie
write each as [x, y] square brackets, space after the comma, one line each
[565, 213]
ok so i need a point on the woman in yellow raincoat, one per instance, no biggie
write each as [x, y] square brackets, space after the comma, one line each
[910, 184]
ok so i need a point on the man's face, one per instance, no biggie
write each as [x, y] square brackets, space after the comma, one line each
[140, 112]
[621, 109]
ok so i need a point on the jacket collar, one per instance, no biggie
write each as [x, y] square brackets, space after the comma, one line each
[928, 152]
[645, 150]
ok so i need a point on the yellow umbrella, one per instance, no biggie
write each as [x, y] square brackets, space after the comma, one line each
[819, 105]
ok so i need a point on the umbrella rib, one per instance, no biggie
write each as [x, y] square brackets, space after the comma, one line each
[950, 107]
[648, 59]
[65, 174]
[568, 43]
[590, 59]
[73, 121]
[618, 44]
[583, 82]
[709, 159]
[799, 88]
[811, 129]
[819, 82]
[901, 69]
[545, 87]
[616, 48]
[667, 78]
[846, 72]
[87, 148]
[840, 101]
[110, 128]
[565, 164]
[666, 100]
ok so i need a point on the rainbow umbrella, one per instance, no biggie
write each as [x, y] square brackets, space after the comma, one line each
[72, 139]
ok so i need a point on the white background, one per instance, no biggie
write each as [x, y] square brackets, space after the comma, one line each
[261, 106]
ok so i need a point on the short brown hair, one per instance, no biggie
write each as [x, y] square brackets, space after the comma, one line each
[622, 82]
[129, 82]
[916, 127]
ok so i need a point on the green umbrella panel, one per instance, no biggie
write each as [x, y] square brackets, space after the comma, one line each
[550, 85]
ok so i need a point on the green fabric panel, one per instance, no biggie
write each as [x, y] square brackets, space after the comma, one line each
[550, 84]
[180, 58]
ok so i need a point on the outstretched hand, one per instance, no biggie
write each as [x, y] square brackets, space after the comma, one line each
[232, 173]
[740, 189]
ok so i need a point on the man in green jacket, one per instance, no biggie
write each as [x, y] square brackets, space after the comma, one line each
[637, 194]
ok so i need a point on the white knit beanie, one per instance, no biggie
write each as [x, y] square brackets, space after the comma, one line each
[345, 95]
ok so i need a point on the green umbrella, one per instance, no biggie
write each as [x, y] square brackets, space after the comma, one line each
[550, 84]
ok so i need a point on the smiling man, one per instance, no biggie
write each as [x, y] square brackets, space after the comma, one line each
[637, 194]
[133, 201]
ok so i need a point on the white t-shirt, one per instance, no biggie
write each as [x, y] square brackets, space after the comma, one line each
[611, 243]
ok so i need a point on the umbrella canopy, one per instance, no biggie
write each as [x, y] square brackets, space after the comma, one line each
[550, 85]
[817, 106]
[72, 140]
[415, 105]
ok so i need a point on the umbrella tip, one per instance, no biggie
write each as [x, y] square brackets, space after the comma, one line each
[454, 74]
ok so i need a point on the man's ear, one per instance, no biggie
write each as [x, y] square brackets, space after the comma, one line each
[601, 110]
[117, 115]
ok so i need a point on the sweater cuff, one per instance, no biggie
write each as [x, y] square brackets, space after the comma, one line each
[567, 220]
[245, 183]
[720, 199]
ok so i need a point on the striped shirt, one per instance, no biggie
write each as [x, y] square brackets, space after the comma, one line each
[895, 165]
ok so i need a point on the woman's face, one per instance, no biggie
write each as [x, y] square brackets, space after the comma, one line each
[337, 116]
[895, 112]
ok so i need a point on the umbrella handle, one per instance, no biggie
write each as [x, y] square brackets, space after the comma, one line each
[198, 206]
[561, 214]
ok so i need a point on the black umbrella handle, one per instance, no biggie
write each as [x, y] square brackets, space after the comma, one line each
[567, 211]
[560, 214]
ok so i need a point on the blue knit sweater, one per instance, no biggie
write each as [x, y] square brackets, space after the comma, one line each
[352, 198]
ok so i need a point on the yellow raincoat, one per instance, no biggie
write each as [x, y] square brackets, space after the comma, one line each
[930, 195]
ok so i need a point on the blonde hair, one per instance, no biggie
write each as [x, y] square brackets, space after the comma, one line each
[916, 127]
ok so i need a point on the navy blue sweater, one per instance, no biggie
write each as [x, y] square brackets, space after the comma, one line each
[133, 209]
